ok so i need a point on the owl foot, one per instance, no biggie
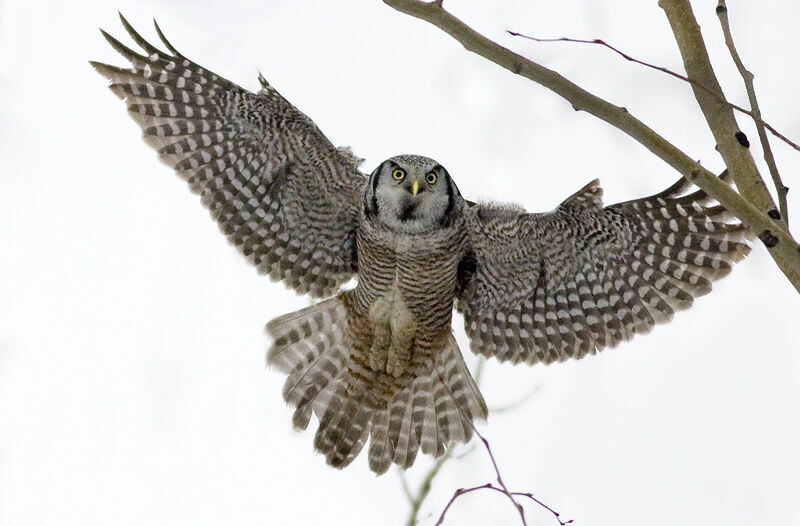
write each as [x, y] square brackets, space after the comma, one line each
[377, 360]
[379, 350]
[398, 361]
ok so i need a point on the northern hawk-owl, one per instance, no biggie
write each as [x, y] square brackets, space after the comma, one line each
[379, 361]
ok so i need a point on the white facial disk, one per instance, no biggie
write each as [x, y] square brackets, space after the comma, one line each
[412, 194]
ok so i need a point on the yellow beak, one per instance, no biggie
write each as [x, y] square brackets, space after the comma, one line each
[415, 186]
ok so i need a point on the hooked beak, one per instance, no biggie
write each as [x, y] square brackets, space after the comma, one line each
[415, 186]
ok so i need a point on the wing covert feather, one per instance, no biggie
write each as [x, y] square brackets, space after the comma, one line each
[279, 190]
[564, 284]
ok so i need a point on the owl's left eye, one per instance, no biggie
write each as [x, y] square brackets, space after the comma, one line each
[398, 174]
[431, 178]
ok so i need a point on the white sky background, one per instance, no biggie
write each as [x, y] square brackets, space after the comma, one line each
[132, 381]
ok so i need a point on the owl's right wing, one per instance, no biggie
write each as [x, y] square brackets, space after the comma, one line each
[547, 287]
[279, 190]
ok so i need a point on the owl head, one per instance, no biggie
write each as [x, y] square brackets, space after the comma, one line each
[412, 194]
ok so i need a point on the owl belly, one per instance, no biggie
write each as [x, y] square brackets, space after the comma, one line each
[403, 301]
[394, 330]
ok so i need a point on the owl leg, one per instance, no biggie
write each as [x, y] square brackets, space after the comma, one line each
[379, 315]
[404, 329]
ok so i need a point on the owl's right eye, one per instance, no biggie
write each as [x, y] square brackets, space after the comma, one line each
[398, 174]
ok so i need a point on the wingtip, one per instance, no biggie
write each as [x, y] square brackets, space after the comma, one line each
[97, 66]
[164, 40]
[124, 21]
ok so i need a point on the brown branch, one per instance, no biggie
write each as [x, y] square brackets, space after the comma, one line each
[489, 486]
[719, 117]
[722, 123]
[751, 211]
[508, 494]
[751, 113]
[747, 76]
[502, 489]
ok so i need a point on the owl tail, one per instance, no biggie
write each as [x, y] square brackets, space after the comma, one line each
[434, 406]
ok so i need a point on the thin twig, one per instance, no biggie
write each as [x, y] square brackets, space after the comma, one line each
[516, 403]
[465, 453]
[424, 487]
[406, 487]
[747, 76]
[502, 489]
[752, 114]
[519, 507]
[489, 485]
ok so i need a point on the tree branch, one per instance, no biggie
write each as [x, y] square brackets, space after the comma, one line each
[720, 118]
[629, 58]
[424, 488]
[747, 76]
[502, 489]
[783, 248]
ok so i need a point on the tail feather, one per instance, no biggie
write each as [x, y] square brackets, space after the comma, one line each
[317, 389]
[398, 437]
[432, 441]
[343, 430]
[380, 455]
[435, 407]
[416, 415]
[319, 325]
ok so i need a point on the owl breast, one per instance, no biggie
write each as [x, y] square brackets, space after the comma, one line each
[404, 299]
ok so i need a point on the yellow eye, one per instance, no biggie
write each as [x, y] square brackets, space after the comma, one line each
[398, 174]
[431, 178]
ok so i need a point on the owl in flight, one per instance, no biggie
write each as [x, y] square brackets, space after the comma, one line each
[379, 361]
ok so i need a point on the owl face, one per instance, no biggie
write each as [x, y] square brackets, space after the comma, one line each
[412, 194]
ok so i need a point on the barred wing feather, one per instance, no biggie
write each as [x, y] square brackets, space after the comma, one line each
[279, 190]
[548, 287]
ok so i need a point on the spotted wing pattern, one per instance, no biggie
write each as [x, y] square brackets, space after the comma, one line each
[547, 287]
[279, 190]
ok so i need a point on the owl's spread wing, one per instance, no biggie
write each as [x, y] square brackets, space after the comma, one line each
[280, 191]
[547, 287]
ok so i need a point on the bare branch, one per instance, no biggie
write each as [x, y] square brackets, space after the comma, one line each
[722, 123]
[500, 478]
[406, 489]
[747, 76]
[597, 41]
[489, 485]
[516, 403]
[424, 487]
[720, 118]
[502, 489]
[750, 207]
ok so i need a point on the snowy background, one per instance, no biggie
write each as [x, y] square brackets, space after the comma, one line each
[132, 381]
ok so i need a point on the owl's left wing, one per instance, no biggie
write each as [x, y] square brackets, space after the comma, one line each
[279, 190]
[547, 287]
